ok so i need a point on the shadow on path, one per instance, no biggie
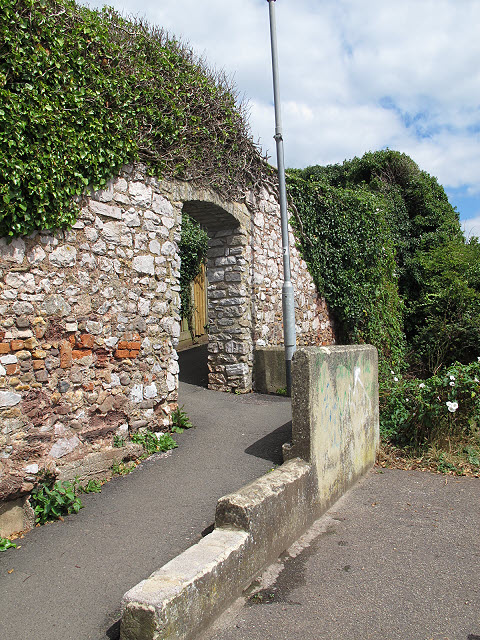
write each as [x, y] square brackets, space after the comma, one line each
[193, 366]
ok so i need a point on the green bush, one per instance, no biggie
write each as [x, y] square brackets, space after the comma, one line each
[153, 442]
[82, 92]
[447, 313]
[345, 239]
[445, 406]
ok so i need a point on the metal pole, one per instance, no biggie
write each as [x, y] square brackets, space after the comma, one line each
[288, 304]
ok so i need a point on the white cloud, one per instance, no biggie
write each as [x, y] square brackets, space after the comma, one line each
[471, 227]
[355, 76]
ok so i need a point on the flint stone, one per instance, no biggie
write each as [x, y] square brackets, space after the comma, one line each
[95, 328]
[13, 252]
[56, 305]
[150, 391]
[240, 369]
[144, 264]
[21, 281]
[64, 446]
[9, 399]
[168, 248]
[140, 193]
[162, 206]
[22, 308]
[64, 256]
[136, 394]
[117, 233]
[99, 208]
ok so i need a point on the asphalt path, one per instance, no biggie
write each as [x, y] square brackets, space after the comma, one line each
[66, 580]
[397, 558]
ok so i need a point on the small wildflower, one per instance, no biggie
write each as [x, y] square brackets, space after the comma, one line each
[452, 406]
[392, 372]
[475, 379]
[452, 377]
[421, 385]
[452, 384]
[395, 379]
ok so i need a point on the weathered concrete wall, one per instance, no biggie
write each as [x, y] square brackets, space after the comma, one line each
[335, 414]
[269, 370]
[335, 436]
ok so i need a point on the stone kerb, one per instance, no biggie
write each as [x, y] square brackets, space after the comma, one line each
[335, 415]
[335, 437]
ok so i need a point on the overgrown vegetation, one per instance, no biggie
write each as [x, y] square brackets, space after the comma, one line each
[385, 248]
[83, 92]
[53, 501]
[192, 249]
[5, 544]
[154, 442]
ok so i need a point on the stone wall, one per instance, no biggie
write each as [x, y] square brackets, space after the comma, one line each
[312, 320]
[89, 318]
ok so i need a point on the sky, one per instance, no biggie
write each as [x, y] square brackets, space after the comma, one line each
[355, 76]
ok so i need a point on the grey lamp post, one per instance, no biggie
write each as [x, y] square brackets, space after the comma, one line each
[288, 304]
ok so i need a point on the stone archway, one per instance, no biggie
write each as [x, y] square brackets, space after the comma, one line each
[230, 347]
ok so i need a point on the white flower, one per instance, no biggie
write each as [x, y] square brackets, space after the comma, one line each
[421, 385]
[452, 406]
[452, 384]
[392, 372]
[452, 377]
[478, 358]
[395, 379]
[475, 379]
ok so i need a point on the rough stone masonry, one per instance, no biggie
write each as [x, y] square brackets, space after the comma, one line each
[89, 318]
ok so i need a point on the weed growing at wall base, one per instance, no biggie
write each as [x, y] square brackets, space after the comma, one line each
[52, 503]
[5, 544]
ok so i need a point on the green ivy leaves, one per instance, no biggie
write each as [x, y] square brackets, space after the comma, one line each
[83, 92]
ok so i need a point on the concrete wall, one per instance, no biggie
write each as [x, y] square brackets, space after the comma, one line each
[335, 435]
[335, 414]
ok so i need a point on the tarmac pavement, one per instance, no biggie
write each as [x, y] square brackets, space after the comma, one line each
[69, 577]
[397, 558]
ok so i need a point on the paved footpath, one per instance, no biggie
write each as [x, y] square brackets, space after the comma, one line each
[397, 558]
[69, 577]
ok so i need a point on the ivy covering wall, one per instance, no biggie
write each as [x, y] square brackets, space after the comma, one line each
[83, 92]
[365, 229]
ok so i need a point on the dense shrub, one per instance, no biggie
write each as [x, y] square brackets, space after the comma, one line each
[346, 241]
[447, 312]
[83, 92]
[436, 409]
[385, 248]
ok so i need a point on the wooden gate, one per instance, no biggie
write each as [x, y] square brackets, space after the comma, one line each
[200, 314]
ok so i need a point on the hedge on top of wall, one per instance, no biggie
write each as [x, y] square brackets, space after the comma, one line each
[82, 92]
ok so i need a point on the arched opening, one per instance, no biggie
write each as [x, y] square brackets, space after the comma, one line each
[229, 352]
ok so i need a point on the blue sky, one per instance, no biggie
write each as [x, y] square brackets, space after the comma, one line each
[355, 77]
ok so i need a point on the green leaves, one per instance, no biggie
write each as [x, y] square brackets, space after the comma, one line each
[153, 443]
[192, 248]
[5, 544]
[51, 503]
[83, 92]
